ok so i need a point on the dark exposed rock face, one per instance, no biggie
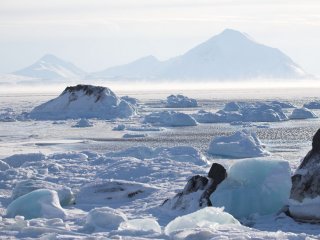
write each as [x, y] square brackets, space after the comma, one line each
[306, 180]
[198, 190]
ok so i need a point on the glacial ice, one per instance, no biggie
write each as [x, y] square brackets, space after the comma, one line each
[302, 113]
[83, 123]
[170, 119]
[252, 187]
[84, 101]
[41, 203]
[241, 144]
[207, 217]
[180, 101]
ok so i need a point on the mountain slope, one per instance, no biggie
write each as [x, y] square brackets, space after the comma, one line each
[49, 67]
[228, 55]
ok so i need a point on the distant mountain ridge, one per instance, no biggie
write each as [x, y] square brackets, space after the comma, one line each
[50, 67]
[228, 55]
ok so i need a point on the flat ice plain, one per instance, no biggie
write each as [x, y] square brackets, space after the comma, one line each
[95, 159]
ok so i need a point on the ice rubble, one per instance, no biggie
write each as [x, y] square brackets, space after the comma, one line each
[207, 217]
[302, 113]
[66, 196]
[241, 144]
[83, 123]
[103, 219]
[312, 105]
[170, 119]
[84, 101]
[41, 203]
[252, 187]
[180, 101]
[17, 160]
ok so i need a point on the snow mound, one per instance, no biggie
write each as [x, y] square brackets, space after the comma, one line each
[203, 116]
[312, 105]
[241, 144]
[66, 196]
[18, 160]
[207, 217]
[262, 112]
[252, 187]
[141, 225]
[84, 101]
[180, 101]
[231, 106]
[42, 203]
[302, 113]
[103, 219]
[112, 191]
[181, 154]
[170, 119]
[83, 123]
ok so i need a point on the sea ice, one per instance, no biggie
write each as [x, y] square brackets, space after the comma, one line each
[130, 135]
[253, 187]
[41, 203]
[241, 144]
[119, 127]
[83, 123]
[170, 119]
[207, 217]
[180, 101]
[84, 101]
[302, 113]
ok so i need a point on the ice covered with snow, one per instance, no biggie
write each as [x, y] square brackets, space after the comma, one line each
[17, 160]
[136, 135]
[170, 119]
[241, 144]
[119, 127]
[4, 166]
[103, 219]
[41, 203]
[141, 225]
[302, 113]
[204, 218]
[203, 116]
[253, 187]
[83, 123]
[180, 101]
[307, 210]
[84, 101]
[66, 196]
[312, 105]
[130, 100]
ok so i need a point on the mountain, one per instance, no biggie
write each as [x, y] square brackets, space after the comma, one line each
[50, 67]
[228, 55]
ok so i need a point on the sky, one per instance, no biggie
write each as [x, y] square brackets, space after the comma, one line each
[97, 34]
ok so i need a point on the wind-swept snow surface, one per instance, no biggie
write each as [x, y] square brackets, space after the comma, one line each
[84, 101]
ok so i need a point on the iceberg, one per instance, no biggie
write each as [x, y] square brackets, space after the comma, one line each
[41, 203]
[302, 113]
[180, 101]
[170, 119]
[84, 101]
[253, 187]
[241, 144]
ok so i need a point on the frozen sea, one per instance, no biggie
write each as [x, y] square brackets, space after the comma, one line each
[288, 140]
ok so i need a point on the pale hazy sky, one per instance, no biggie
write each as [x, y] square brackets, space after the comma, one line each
[95, 34]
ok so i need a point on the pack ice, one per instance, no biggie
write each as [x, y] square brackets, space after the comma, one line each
[84, 101]
[241, 144]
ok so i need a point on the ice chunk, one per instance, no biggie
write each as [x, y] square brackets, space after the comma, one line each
[262, 112]
[241, 144]
[302, 113]
[141, 225]
[82, 123]
[84, 101]
[17, 160]
[180, 101]
[42, 203]
[231, 106]
[66, 196]
[170, 119]
[282, 104]
[207, 217]
[104, 219]
[254, 186]
[312, 105]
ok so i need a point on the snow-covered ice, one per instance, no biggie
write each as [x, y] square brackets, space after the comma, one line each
[312, 105]
[302, 113]
[241, 144]
[170, 119]
[180, 101]
[82, 123]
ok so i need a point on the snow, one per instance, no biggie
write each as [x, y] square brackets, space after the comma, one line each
[241, 144]
[84, 101]
[312, 105]
[143, 224]
[170, 119]
[180, 101]
[204, 218]
[302, 113]
[4, 166]
[307, 210]
[103, 219]
[252, 187]
[207, 117]
[119, 127]
[82, 123]
[42, 203]
[17, 160]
